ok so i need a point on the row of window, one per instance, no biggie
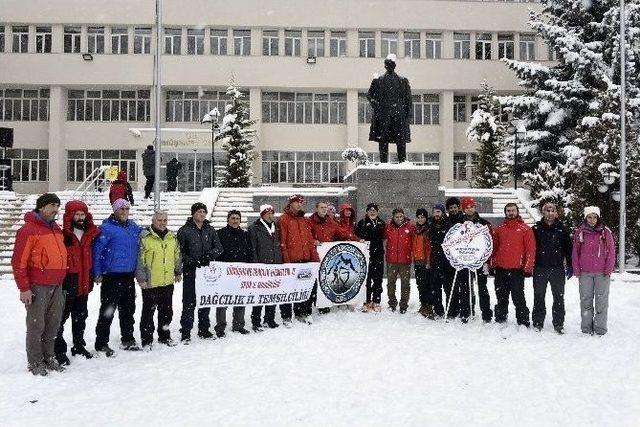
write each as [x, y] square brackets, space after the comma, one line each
[417, 44]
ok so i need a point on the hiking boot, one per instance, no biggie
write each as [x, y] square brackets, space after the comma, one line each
[287, 323]
[257, 328]
[376, 307]
[366, 307]
[559, 330]
[304, 319]
[538, 328]
[51, 364]
[82, 351]
[402, 310]
[38, 369]
[108, 351]
[241, 331]
[168, 342]
[62, 359]
[205, 335]
[147, 347]
[464, 320]
[220, 334]
[271, 324]
[392, 308]
[130, 345]
[324, 310]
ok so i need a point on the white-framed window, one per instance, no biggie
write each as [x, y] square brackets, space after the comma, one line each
[365, 111]
[315, 43]
[306, 108]
[506, 46]
[475, 104]
[142, 40]
[81, 163]
[412, 44]
[43, 39]
[424, 159]
[95, 39]
[24, 104]
[367, 41]
[527, 47]
[426, 109]
[434, 45]
[464, 165]
[338, 43]
[72, 39]
[303, 167]
[483, 45]
[127, 105]
[172, 41]
[29, 165]
[242, 42]
[292, 42]
[218, 40]
[552, 54]
[459, 108]
[120, 41]
[195, 41]
[270, 40]
[389, 42]
[191, 106]
[20, 38]
[461, 45]
[2, 35]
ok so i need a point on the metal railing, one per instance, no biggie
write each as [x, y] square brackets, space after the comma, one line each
[95, 181]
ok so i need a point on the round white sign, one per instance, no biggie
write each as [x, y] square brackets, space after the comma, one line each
[468, 245]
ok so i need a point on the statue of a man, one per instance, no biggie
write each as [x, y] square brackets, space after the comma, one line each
[390, 97]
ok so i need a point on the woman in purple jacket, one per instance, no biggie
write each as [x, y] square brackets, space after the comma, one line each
[594, 257]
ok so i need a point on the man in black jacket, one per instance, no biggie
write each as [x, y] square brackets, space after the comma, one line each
[441, 270]
[454, 214]
[173, 168]
[149, 169]
[237, 248]
[371, 229]
[553, 264]
[199, 245]
[265, 249]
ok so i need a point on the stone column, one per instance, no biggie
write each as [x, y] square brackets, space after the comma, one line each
[57, 149]
[447, 146]
[255, 113]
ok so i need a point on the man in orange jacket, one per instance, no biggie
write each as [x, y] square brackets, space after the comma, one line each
[39, 265]
[421, 261]
[514, 253]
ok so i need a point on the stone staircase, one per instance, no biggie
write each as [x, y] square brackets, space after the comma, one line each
[240, 199]
[500, 199]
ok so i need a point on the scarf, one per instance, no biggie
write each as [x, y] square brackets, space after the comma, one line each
[271, 228]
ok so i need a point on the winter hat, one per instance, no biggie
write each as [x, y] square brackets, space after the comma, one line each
[197, 206]
[452, 201]
[374, 206]
[150, 147]
[47, 198]
[331, 209]
[422, 212]
[391, 57]
[266, 208]
[467, 202]
[591, 210]
[440, 207]
[296, 198]
[119, 204]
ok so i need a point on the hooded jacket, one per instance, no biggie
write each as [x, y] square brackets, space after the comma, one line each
[116, 249]
[121, 189]
[296, 238]
[594, 250]
[400, 242]
[553, 244]
[514, 246]
[79, 252]
[327, 229]
[347, 225]
[159, 259]
[39, 256]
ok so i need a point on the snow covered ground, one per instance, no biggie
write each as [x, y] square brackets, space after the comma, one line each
[348, 368]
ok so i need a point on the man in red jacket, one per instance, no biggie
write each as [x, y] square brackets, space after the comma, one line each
[399, 234]
[514, 253]
[79, 233]
[297, 245]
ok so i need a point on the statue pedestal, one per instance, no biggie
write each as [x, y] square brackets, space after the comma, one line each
[396, 186]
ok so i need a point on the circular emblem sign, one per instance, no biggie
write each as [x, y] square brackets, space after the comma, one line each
[468, 245]
[343, 271]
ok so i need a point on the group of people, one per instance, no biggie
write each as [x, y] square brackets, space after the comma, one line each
[56, 269]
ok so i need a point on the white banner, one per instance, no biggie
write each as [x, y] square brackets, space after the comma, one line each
[223, 284]
[468, 245]
[343, 273]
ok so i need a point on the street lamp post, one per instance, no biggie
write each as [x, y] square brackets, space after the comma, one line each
[212, 118]
[623, 143]
[517, 130]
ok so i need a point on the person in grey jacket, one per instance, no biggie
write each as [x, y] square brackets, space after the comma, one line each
[265, 248]
[149, 169]
[199, 245]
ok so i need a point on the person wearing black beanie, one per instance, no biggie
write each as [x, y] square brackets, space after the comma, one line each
[47, 198]
[197, 206]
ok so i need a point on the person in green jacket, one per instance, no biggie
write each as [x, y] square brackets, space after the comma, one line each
[159, 267]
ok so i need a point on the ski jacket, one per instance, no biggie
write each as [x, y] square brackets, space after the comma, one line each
[265, 246]
[159, 260]
[553, 244]
[79, 252]
[149, 162]
[197, 244]
[121, 189]
[235, 244]
[296, 238]
[347, 225]
[421, 244]
[594, 250]
[514, 246]
[372, 230]
[327, 229]
[116, 249]
[399, 242]
[437, 232]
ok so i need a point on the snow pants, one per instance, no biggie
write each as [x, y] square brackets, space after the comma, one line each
[541, 277]
[594, 286]
[511, 282]
[75, 306]
[117, 290]
[162, 299]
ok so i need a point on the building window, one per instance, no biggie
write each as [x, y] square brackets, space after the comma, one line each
[426, 109]
[306, 108]
[242, 42]
[1, 38]
[552, 54]
[367, 44]
[424, 159]
[191, 106]
[483, 46]
[434, 45]
[142, 40]
[71, 39]
[475, 103]
[459, 108]
[389, 43]
[20, 38]
[270, 40]
[464, 165]
[315, 43]
[43, 39]
[24, 104]
[338, 43]
[119, 41]
[29, 165]
[292, 42]
[303, 167]
[461, 45]
[365, 111]
[195, 41]
[505, 46]
[81, 163]
[412, 44]
[109, 105]
[95, 39]
[172, 41]
[218, 41]
[527, 47]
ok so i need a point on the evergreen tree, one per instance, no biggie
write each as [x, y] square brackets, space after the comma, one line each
[487, 131]
[236, 137]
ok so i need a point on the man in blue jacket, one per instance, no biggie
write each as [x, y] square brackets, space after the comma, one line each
[115, 257]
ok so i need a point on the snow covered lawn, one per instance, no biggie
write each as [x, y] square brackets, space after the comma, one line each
[348, 368]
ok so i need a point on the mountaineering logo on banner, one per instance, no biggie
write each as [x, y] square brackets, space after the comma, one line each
[468, 245]
[343, 271]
